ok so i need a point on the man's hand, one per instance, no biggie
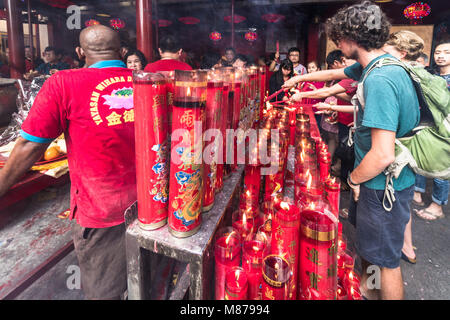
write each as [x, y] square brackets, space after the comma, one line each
[277, 56]
[355, 191]
[323, 107]
[296, 97]
[22, 158]
[292, 82]
[53, 71]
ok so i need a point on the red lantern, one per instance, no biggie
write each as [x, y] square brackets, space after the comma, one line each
[91, 22]
[164, 23]
[237, 18]
[189, 20]
[272, 17]
[251, 36]
[117, 24]
[215, 36]
[416, 11]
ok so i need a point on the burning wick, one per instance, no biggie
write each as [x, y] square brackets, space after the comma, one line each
[308, 184]
[285, 206]
[236, 275]
[188, 91]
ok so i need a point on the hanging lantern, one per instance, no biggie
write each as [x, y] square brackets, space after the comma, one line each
[164, 23]
[117, 23]
[189, 20]
[237, 18]
[251, 36]
[272, 17]
[91, 22]
[416, 11]
[215, 36]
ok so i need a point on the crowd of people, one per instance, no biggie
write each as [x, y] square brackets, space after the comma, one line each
[390, 109]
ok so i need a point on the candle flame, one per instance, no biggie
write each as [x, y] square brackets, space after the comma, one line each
[255, 248]
[312, 206]
[308, 184]
[247, 193]
[284, 205]
[188, 91]
[228, 238]
[244, 219]
[236, 275]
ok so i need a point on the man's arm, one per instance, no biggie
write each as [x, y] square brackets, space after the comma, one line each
[321, 76]
[22, 158]
[380, 155]
[321, 93]
[273, 64]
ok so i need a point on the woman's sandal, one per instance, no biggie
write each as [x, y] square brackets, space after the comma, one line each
[408, 259]
[428, 215]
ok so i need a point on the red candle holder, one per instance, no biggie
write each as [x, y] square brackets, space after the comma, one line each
[345, 262]
[341, 293]
[351, 279]
[236, 284]
[252, 184]
[152, 146]
[324, 166]
[223, 129]
[265, 234]
[285, 235]
[186, 170]
[244, 225]
[342, 243]
[318, 253]
[354, 294]
[213, 120]
[262, 90]
[253, 252]
[332, 192]
[227, 253]
[276, 278]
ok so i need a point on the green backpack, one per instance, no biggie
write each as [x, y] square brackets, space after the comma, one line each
[427, 149]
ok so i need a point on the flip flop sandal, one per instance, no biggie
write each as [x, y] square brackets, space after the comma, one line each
[419, 204]
[422, 214]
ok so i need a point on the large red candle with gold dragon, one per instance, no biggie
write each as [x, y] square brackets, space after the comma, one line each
[285, 236]
[152, 164]
[318, 254]
[186, 169]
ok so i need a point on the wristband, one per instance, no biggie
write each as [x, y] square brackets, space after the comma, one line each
[350, 182]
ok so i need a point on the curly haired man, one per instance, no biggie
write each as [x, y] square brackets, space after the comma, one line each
[390, 110]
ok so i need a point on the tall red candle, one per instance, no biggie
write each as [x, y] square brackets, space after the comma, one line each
[285, 236]
[221, 174]
[227, 254]
[152, 146]
[324, 165]
[253, 252]
[318, 253]
[332, 191]
[213, 120]
[186, 169]
[276, 278]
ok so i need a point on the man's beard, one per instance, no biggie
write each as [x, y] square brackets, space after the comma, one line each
[353, 55]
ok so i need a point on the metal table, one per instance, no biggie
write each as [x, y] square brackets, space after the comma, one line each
[195, 251]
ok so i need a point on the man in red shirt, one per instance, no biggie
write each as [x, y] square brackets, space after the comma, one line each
[170, 51]
[93, 107]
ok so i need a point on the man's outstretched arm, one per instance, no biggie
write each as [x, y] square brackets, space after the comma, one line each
[322, 76]
[22, 158]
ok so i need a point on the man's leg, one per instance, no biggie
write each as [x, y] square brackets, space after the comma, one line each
[391, 284]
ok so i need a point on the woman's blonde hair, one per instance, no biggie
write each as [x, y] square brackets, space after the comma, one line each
[407, 41]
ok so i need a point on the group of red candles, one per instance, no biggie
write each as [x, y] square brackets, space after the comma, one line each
[177, 114]
[287, 249]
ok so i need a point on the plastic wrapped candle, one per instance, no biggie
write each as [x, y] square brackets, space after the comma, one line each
[318, 253]
[252, 182]
[213, 121]
[227, 253]
[345, 262]
[332, 191]
[253, 252]
[186, 168]
[309, 192]
[354, 294]
[285, 236]
[324, 165]
[221, 174]
[228, 76]
[152, 148]
[236, 284]
[276, 278]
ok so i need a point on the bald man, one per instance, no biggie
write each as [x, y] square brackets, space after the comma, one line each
[93, 107]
